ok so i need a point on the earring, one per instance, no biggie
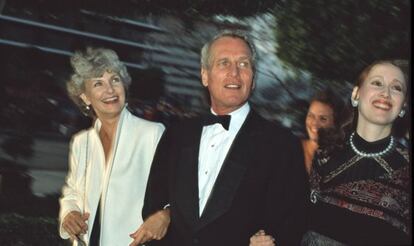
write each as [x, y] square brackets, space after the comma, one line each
[354, 103]
[87, 107]
[402, 113]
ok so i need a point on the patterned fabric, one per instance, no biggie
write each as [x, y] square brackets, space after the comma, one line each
[377, 187]
[312, 238]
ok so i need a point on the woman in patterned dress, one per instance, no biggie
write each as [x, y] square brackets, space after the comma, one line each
[360, 179]
[360, 183]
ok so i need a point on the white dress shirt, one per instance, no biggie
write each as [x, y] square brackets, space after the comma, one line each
[214, 145]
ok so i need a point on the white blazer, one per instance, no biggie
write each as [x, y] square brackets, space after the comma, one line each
[121, 185]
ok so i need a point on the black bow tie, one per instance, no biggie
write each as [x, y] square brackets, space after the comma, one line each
[211, 119]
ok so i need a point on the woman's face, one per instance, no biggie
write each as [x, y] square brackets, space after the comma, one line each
[320, 115]
[106, 94]
[381, 96]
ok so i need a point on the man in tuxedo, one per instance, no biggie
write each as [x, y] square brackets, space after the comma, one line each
[224, 176]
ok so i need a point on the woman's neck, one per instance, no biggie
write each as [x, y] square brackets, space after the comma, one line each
[106, 134]
[311, 144]
[371, 133]
[309, 148]
[109, 125]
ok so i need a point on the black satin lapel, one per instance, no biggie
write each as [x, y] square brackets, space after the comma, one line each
[186, 190]
[231, 174]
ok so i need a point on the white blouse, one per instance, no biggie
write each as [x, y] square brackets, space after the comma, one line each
[120, 183]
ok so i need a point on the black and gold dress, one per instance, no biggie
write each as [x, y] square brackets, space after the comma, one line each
[361, 194]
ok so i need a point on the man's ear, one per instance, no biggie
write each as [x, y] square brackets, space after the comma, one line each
[355, 93]
[85, 99]
[204, 77]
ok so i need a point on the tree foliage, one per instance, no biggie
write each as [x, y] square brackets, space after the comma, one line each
[334, 40]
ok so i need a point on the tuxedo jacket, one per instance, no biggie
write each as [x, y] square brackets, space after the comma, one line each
[262, 184]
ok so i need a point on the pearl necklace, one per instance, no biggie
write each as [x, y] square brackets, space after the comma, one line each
[370, 155]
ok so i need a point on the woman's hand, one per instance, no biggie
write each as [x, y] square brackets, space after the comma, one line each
[74, 223]
[154, 227]
[261, 239]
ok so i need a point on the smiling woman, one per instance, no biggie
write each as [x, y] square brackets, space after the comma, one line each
[360, 188]
[89, 72]
[106, 95]
[324, 112]
[110, 162]
[381, 96]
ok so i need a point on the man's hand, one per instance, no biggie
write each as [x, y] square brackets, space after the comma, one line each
[74, 223]
[261, 239]
[154, 227]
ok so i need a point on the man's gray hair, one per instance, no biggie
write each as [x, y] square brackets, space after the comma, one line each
[205, 51]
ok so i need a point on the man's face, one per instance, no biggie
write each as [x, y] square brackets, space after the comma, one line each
[229, 76]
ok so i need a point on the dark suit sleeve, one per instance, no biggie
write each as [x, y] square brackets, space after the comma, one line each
[156, 195]
[287, 207]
